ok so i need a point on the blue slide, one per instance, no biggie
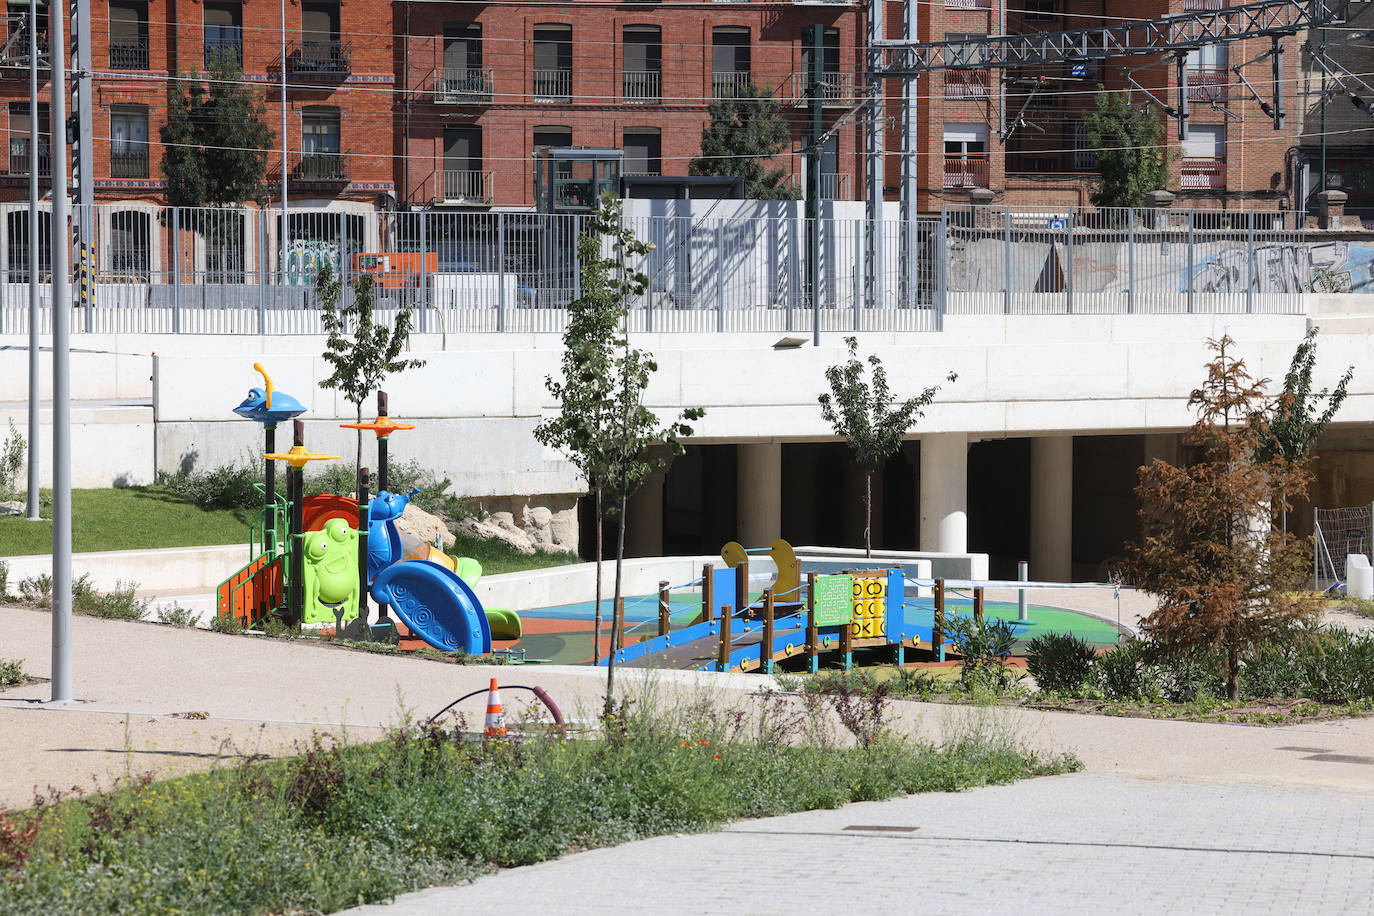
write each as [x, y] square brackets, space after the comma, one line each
[437, 606]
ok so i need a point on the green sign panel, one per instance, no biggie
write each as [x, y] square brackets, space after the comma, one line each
[834, 600]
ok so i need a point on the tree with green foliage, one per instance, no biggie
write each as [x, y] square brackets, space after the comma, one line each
[363, 360]
[1127, 140]
[603, 424]
[215, 140]
[869, 418]
[745, 131]
[1224, 577]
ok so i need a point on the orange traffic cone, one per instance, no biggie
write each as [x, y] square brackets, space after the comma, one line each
[496, 716]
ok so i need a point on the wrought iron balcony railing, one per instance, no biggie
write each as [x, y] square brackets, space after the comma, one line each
[332, 58]
[553, 87]
[463, 86]
[321, 167]
[468, 186]
[129, 163]
[642, 87]
[129, 54]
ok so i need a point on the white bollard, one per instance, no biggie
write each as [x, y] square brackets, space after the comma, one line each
[1359, 576]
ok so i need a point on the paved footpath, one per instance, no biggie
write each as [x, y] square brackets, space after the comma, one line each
[1083, 843]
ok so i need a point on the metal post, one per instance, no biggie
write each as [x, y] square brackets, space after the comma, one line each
[708, 594]
[61, 371]
[1250, 269]
[727, 613]
[285, 236]
[424, 273]
[813, 37]
[742, 587]
[501, 271]
[1068, 280]
[269, 491]
[941, 275]
[364, 508]
[1190, 263]
[1130, 260]
[296, 481]
[937, 630]
[382, 411]
[35, 246]
[847, 644]
[720, 276]
[84, 166]
[766, 645]
[1277, 47]
[1181, 68]
[1022, 575]
[664, 609]
[1006, 259]
[176, 270]
[794, 281]
[812, 631]
[262, 271]
[858, 275]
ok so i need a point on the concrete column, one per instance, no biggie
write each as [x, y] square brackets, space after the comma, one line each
[758, 493]
[644, 519]
[943, 493]
[1051, 508]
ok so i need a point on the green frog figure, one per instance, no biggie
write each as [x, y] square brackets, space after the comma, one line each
[331, 573]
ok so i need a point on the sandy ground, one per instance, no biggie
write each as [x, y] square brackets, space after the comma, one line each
[135, 681]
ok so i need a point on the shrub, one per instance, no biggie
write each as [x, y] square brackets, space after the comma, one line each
[119, 604]
[36, 590]
[1338, 666]
[1273, 670]
[1192, 674]
[229, 486]
[985, 646]
[11, 671]
[226, 624]
[11, 462]
[1123, 675]
[341, 479]
[1060, 661]
[177, 616]
[4, 581]
[1362, 607]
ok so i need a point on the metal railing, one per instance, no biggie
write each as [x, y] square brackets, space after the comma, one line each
[642, 87]
[223, 49]
[968, 4]
[213, 270]
[1204, 6]
[129, 163]
[968, 170]
[468, 186]
[966, 84]
[1207, 84]
[1199, 173]
[321, 57]
[836, 89]
[129, 54]
[320, 167]
[833, 185]
[553, 87]
[726, 84]
[463, 86]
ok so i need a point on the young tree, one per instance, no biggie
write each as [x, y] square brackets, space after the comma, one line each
[214, 143]
[1221, 579]
[373, 352]
[745, 131]
[603, 424]
[869, 418]
[1127, 141]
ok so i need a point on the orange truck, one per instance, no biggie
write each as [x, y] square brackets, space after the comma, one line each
[396, 269]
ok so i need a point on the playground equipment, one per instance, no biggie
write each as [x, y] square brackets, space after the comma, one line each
[339, 549]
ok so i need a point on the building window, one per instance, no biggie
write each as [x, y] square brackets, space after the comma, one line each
[129, 141]
[642, 75]
[966, 156]
[1084, 157]
[223, 34]
[130, 244]
[836, 88]
[462, 78]
[643, 152]
[321, 153]
[17, 267]
[1207, 73]
[21, 136]
[552, 136]
[553, 64]
[464, 179]
[1204, 158]
[128, 36]
[322, 49]
[730, 62]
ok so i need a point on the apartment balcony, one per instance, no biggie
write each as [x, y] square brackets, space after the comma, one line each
[468, 187]
[728, 84]
[322, 167]
[463, 87]
[642, 87]
[834, 185]
[19, 158]
[1203, 6]
[223, 49]
[129, 54]
[966, 84]
[129, 163]
[332, 59]
[969, 170]
[1207, 84]
[553, 87]
[837, 90]
[968, 4]
[1200, 173]
[16, 50]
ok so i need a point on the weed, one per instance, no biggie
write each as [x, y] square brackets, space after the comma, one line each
[177, 616]
[1362, 607]
[985, 646]
[118, 604]
[1060, 661]
[229, 486]
[36, 590]
[226, 623]
[11, 462]
[11, 672]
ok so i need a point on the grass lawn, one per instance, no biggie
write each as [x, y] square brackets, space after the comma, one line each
[140, 518]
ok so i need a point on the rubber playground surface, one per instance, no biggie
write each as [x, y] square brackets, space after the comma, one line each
[563, 634]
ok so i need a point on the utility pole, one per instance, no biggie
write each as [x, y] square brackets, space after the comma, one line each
[61, 372]
[815, 40]
[285, 233]
[873, 196]
[35, 312]
[83, 157]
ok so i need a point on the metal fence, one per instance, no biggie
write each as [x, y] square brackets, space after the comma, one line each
[157, 269]
[1337, 533]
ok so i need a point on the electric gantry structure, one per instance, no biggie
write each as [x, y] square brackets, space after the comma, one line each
[1175, 35]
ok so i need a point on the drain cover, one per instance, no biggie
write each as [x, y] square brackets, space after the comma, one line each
[881, 828]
